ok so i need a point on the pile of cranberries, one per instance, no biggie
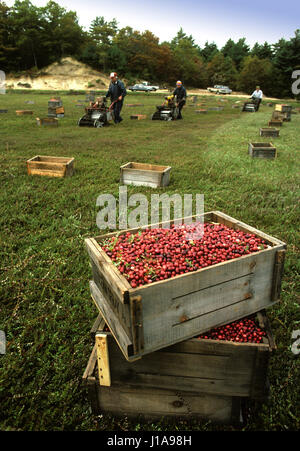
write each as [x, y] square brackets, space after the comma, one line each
[242, 331]
[157, 254]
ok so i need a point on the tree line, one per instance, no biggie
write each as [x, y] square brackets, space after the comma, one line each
[33, 37]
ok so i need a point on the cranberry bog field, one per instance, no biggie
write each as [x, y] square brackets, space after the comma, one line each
[46, 310]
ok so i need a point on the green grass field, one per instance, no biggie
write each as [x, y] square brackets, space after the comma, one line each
[46, 311]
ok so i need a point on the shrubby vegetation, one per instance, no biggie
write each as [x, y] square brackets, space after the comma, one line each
[33, 37]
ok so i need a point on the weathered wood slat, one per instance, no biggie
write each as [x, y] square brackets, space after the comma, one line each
[113, 283]
[157, 403]
[103, 359]
[116, 326]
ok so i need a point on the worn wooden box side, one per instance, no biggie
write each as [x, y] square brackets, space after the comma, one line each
[24, 112]
[275, 123]
[262, 150]
[48, 121]
[140, 174]
[274, 132]
[50, 166]
[283, 108]
[155, 403]
[138, 117]
[198, 365]
[167, 312]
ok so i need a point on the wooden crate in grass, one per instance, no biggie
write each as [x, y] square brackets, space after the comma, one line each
[284, 117]
[47, 122]
[197, 377]
[138, 117]
[275, 123]
[262, 150]
[50, 166]
[142, 174]
[283, 108]
[269, 131]
[24, 112]
[163, 313]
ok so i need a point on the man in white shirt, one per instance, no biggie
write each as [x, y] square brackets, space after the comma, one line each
[257, 96]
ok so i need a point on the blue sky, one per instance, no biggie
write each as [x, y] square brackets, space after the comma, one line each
[214, 20]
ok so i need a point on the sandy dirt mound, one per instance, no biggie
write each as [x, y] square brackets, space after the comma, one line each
[64, 75]
[70, 74]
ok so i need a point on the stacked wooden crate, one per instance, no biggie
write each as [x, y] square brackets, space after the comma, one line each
[195, 378]
[90, 96]
[149, 358]
[55, 108]
[283, 112]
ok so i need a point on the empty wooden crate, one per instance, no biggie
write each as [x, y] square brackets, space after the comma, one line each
[50, 166]
[163, 313]
[262, 150]
[142, 174]
[283, 108]
[284, 117]
[138, 117]
[47, 122]
[269, 131]
[197, 377]
[275, 123]
[24, 112]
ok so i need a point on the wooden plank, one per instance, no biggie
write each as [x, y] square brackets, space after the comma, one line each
[24, 112]
[156, 403]
[138, 117]
[118, 331]
[51, 159]
[45, 172]
[90, 368]
[278, 273]
[113, 283]
[103, 359]
[122, 311]
[137, 324]
[98, 326]
[58, 167]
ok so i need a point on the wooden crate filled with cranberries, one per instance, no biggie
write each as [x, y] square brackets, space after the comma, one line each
[156, 286]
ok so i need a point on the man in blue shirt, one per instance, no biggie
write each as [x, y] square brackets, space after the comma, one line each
[116, 92]
[180, 95]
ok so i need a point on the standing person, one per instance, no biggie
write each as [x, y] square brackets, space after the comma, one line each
[116, 92]
[257, 96]
[180, 95]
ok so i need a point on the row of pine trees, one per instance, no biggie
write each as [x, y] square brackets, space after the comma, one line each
[33, 37]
